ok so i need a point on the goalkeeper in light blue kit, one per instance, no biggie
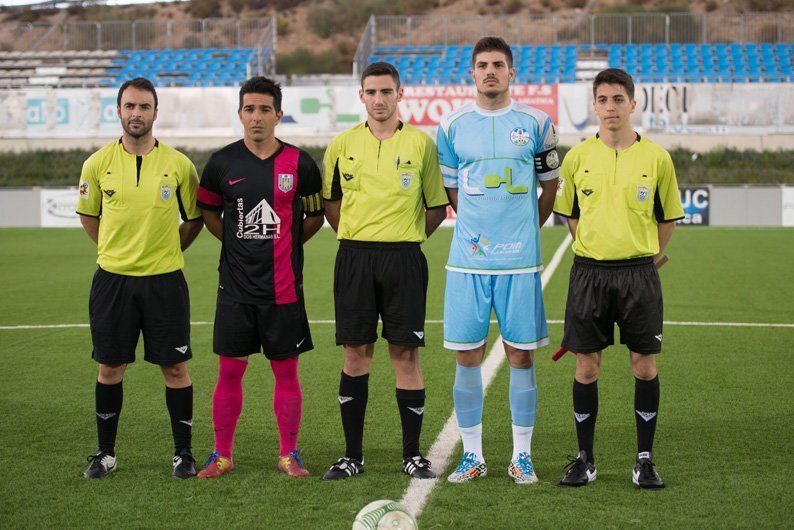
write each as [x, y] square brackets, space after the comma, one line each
[493, 153]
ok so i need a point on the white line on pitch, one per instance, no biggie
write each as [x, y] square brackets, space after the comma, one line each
[666, 323]
[419, 490]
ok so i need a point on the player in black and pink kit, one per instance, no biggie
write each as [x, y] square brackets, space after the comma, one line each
[262, 198]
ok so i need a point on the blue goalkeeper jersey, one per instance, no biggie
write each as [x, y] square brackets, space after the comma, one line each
[495, 159]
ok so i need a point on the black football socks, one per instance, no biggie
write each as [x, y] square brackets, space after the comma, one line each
[412, 409]
[108, 408]
[585, 410]
[646, 411]
[180, 408]
[353, 393]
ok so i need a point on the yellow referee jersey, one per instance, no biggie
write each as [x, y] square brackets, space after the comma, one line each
[618, 197]
[384, 186]
[139, 200]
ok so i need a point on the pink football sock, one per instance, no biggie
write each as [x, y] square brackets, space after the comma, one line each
[227, 402]
[287, 402]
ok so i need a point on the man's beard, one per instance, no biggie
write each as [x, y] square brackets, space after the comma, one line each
[136, 134]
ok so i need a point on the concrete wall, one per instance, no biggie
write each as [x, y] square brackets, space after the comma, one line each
[727, 206]
[20, 207]
[746, 206]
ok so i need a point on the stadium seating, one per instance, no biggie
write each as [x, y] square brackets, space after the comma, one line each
[109, 68]
[654, 63]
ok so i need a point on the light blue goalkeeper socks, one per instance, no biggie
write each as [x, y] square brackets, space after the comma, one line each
[523, 396]
[467, 395]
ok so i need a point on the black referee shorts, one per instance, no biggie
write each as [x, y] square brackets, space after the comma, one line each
[120, 307]
[280, 330]
[604, 293]
[386, 279]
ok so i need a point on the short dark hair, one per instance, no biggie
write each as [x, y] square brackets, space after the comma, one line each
[141, 83]
[492, 44]
[262, 85]
[381, 68]
[614, 76]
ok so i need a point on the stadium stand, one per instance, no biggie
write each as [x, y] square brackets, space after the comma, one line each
[657, 63]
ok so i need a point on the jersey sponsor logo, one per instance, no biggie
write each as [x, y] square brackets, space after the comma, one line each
[519, 136]
[553, 159]
[495, 181]
[642, 193]
[417, 410]
[479, 245]
[285, 181]
[261, 222]
[405, 179]
[587, 192]
[165, 192]
[182, 349]
[85, 190]
[647, 416]
[235, 181]
[344, 399]
[109, 193]
[581, 417]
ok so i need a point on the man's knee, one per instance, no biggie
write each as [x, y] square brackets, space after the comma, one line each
[588, 367]
[176, 375]
[643, 366]
[111, 374]
[471, 358]
[521, 359]
[358, 359]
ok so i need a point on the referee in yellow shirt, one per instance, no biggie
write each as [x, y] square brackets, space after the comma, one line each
[132, 193]
[620, 196]
[383, 196]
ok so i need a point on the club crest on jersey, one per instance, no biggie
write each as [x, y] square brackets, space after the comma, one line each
[165, 192]
[405, 179]
[285, 181]
[84, 190]
[519, 136]
[642, 193]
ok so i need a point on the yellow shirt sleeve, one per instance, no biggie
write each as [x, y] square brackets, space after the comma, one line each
[187, 193]
[332, 190]
[565, 203]
[667, 203]
[90, 198]
[433, 191]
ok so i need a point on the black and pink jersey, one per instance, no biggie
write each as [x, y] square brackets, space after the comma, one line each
[263, 204]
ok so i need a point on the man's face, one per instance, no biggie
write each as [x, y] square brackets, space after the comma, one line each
[137, 112]
[380, 95]
[613, 106]
[259, 117]
[491, 74]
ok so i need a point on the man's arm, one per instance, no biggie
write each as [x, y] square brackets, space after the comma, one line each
[188, 231]
[332, 213]
[433, 218]
[213, 222]
[572, 224]
[452, 193]
[311, 225]
[91, 226]
[546, 199]
[665, 231]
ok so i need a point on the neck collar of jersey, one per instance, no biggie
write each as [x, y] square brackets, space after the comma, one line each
[636, 141]
[497, 112]
[399, 125]
[156, 145]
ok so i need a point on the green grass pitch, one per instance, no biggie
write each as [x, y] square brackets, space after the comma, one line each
[723, 441]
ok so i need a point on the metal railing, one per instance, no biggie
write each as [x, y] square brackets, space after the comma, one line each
[580, 29]
[264, 60]
[138, 34]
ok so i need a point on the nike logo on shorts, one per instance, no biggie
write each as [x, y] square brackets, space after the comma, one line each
[233, 182]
